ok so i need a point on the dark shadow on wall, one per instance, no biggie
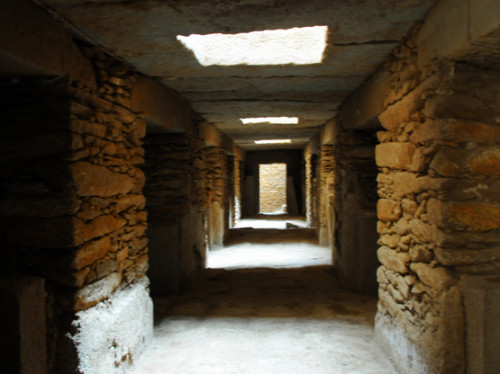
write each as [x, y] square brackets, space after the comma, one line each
[293, 160]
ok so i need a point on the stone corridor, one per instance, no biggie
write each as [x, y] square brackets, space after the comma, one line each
[256, 321]
[132, 137]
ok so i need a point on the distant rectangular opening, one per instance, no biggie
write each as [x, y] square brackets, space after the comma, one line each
[297, 46]
[272, 188]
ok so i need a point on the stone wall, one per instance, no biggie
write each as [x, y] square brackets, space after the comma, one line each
[355, 247]
[216, 194]
[72, 208]
[326, 195]
[438, 211]
[239, 164]
[346, 203]
[174, 220]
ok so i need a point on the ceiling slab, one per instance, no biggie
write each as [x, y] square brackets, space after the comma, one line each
[361, 34]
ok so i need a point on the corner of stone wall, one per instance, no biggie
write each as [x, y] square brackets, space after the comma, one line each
[73, 208]
[438, 210]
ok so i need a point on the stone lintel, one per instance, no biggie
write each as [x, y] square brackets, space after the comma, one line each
[330, 132]
[361, 109]
[215, 138]
[455, 29]
[33, 43]
[165, 112]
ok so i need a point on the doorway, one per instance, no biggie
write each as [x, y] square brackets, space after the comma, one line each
[272, 188]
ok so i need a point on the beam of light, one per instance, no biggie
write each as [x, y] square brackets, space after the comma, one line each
[273, 141]
[273, 120]
[298, 46]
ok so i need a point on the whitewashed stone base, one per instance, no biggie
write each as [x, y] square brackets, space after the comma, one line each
[112, 335]
[400, 351]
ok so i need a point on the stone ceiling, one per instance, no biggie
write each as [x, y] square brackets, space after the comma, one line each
[361, 33]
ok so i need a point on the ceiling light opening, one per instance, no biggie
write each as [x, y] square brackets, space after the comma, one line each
[273, 141]
[273, 120]
[298, 46]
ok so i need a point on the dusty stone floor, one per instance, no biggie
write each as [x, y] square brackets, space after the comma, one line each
[271, 221]
[265, 320]
[264, 242]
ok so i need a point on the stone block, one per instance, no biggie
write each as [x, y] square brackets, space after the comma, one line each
[438, 278]
[165, 112]
[388, 210]
[459, 131]
[91, 252]
[392, 260]
[453, 162]
[462, 256]
[453, 29]
[482, 308]
[110, 336]
[402, 156]
[401, 111]
[22, 322]
[472, 215]
[98, 227]
[94, 180]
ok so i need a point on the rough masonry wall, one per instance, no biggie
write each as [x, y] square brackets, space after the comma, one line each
[174, 221]
[326, 195]
[72, 208]
[239, 165]
[216, 196]
[439, 207]
[355, 247]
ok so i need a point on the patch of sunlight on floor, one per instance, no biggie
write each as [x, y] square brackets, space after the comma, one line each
[265, 242]
[271, 221]
[265, 321]
[262, 346]
[256, 255]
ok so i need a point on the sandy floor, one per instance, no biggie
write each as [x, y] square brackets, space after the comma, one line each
[278, 221]
[265, 321]
[271, 247]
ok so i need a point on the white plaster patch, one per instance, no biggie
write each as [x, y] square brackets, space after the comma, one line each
[298, 46]
[400, 351]
[114, 333]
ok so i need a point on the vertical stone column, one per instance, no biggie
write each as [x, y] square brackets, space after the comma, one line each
[355, 245]
[326, 195]
[308, 184]
[238, 181]
[73, 212]
[439, 208]
[216, 188]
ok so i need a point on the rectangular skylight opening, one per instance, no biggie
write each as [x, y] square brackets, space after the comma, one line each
[272, 120]
[273, 141]
[298, 46]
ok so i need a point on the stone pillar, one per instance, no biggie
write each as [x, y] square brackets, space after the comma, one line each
[439, 208]
[22, 321]
[73, 212]
[174, 233]
[239, 159]
[355, 245]
[326, 196]
[216, 187]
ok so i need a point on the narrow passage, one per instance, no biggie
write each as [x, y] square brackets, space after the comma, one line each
[265, 320]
